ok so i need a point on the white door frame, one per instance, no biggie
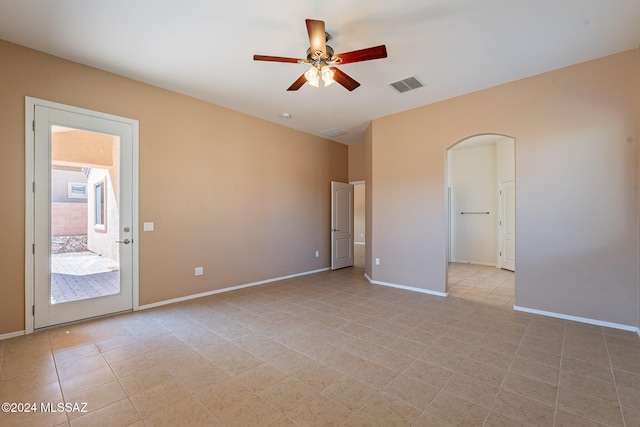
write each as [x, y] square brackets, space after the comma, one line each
[30, 104]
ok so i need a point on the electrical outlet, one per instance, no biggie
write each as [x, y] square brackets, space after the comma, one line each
[199, 271]
[317, 254]
[377, 261]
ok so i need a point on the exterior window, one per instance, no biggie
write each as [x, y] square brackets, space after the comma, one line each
[100, 205]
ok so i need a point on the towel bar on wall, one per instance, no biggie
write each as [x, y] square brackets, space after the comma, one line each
[474, 213]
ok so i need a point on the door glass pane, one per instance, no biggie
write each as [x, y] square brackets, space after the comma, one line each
[85, 225]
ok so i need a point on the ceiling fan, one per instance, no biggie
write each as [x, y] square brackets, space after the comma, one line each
[323, 61]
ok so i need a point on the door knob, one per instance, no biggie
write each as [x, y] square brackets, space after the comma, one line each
[125, 241]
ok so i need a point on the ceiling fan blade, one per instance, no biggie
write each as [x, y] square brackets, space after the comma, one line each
[376, 52]
[275, 59]
[317, 36]
[344, 79]
[298, 83]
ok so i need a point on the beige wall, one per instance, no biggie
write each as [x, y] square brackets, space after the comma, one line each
[368, 204]
[246, 199]
[576, 132]
[356, 162]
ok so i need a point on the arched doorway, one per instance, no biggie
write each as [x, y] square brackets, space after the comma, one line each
[481, 218]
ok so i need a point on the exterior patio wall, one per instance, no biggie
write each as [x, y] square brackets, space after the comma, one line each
[68, 219]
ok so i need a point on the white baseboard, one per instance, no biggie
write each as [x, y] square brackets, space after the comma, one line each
[407, 288]
[577, 319]
[12, 335]
[233, 288]
[464, 261]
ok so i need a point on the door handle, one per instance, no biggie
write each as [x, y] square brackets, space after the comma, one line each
[125, 241]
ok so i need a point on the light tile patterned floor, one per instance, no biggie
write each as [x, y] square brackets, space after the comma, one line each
[326, 349]
[482, 283]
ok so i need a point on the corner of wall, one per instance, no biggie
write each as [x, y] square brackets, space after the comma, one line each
[368, 192]
[637, 137]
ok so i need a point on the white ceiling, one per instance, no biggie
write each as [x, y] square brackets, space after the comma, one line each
[204, 48]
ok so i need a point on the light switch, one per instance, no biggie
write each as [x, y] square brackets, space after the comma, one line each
[148, 226]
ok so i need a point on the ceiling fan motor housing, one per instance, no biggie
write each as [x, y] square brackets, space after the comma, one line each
[313, 58]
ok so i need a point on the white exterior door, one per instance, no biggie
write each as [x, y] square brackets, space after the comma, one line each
[507, 224]
[84, 261]
[341, 225]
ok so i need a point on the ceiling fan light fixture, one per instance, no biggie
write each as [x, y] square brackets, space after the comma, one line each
[322, 60]
[312, 77]
[327, 75]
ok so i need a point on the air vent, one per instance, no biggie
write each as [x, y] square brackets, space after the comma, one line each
[333, 132]
[406, 85]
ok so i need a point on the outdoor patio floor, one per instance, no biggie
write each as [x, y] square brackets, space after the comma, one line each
[82, 275]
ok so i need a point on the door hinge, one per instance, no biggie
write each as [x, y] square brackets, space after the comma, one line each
[34, 186]
[33, 248]
[33, 125]
[500, 253]
[33, 310]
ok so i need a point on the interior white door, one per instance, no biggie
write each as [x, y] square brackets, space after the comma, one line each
[341, 225]
[76, 275]
[508, 225]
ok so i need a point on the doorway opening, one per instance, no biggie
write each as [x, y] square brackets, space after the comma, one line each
[81, 257]
[481, 219]
[359, 224]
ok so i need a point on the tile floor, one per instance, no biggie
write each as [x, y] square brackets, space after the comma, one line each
[326, 349]
[481, 283]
